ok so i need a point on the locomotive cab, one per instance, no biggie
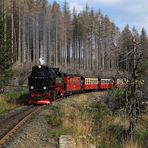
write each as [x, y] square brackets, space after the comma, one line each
[44, 84]
[39, 80]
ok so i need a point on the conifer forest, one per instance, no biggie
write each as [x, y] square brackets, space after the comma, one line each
[35, 32]
[86, 43]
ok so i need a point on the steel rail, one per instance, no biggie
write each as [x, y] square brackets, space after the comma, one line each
[17, 126]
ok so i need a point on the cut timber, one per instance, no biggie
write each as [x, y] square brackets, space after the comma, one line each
[66, 141]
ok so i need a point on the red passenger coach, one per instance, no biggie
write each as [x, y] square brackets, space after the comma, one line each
[90, 83]
[47, 84]
[106, 83]
[72, 83]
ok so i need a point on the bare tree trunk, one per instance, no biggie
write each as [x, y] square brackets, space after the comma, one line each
[12, 36]
[33, 40]
[45, 39]
[37, 48]
[65, 50]
[23, 40]
[79, 53]
[56, 45]
[28, 41]
[49, 49]
[19, 38]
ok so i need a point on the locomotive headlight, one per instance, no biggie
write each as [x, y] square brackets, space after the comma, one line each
[32, 87]
[44, 87]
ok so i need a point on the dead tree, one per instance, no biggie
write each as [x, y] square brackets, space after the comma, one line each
[134, 94]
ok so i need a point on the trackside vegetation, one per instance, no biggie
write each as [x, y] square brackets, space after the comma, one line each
[92, 121]
[9, 101]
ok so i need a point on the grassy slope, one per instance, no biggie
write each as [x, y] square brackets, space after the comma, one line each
[91, 122]
[9, 101]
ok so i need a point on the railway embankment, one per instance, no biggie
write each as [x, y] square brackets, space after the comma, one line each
[95, 120]
[85, 120]
[11, 99]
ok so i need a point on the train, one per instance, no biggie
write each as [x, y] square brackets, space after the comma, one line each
[47, 84]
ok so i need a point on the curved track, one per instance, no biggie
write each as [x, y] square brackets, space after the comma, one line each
[10, 124]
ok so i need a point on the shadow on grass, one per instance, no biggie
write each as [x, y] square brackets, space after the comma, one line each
[22, 99]
[118, 131]
[17, 99]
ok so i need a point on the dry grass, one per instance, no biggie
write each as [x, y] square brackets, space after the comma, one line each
[118, 120]
[76, 114]
[143, 123]
[1, 98]
[9, 101]
[128, 144]
[73, 118]
[4, 105]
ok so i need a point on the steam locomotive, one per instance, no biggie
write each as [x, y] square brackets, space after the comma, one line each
[48, 84]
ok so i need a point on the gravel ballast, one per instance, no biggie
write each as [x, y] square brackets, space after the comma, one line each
[34, 134]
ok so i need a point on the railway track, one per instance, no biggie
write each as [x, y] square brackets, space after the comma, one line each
[9, 125]
[14, 121]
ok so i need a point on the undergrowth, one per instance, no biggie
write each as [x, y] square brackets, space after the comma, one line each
[91, 122]
[9, 101]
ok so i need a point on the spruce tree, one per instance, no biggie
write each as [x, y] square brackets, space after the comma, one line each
[5, 53]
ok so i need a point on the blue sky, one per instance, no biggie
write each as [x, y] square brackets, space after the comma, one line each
[121, 12]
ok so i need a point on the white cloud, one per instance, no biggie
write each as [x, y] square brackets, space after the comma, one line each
[105, 2]
[132, 12]
[77, 6]
[96, 2]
